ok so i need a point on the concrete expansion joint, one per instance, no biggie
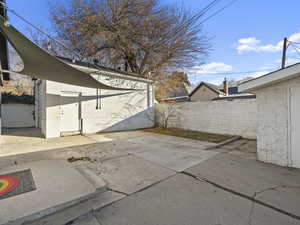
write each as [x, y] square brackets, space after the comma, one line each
[250, 198]
[112, 158]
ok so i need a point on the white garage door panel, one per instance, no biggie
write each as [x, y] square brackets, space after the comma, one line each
[69, 111]
[295, 127]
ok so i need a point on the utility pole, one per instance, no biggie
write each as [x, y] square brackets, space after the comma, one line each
[3, 44]
[285, 41]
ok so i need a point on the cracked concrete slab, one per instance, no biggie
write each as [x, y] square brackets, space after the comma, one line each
[178, 159]
[183, 200]
[130, 174]
[277, 186]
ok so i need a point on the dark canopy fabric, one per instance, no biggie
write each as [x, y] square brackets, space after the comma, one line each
[40, 64]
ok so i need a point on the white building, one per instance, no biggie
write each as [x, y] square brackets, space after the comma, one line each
[63, 109]
[278, 115]
[78, 98]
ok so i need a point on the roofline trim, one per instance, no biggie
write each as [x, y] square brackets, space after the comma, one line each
[200, 85]
[111, 74]
[270, 78]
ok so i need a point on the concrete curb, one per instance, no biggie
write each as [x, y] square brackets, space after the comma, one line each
[235, 138]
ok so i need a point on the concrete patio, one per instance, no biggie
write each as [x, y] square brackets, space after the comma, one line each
[159, 179]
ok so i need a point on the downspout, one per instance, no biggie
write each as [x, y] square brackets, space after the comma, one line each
[34, 113]
[148, 96]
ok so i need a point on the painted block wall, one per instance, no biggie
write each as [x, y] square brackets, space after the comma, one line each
[119, 110]
[17, 115]
[273, 122]
[237, 117]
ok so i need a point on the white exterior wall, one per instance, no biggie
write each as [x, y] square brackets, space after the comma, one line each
[273, 122]
[237, 117]
[123, 112]
[17, 115]
[40, 98]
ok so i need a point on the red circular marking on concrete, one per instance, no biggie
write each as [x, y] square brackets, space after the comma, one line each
[10, 183]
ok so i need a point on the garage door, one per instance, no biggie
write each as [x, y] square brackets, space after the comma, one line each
[295, 127]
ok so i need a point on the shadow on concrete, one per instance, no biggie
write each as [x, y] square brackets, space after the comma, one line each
[23, 132]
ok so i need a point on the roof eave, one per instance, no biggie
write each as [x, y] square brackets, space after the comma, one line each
[270, 79]
[110, 74]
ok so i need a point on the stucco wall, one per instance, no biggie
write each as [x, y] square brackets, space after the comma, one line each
[273, 122]
[17, 115]
[238, 117]
[119, 110]
[204, 94]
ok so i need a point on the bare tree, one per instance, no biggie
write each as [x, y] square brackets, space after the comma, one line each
[141, 36]
[169, 85]
[164, 112]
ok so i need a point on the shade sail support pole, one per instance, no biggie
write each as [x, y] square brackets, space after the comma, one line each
[3, 43]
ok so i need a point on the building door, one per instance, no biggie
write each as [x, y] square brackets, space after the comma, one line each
[295, 127]
[70, 113]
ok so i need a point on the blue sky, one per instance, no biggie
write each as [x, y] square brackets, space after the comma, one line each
[245, 36]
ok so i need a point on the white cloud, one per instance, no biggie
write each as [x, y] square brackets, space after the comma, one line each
[206, 72]
[295, 37]
[252, 44]
[249, 41]
[210, 68]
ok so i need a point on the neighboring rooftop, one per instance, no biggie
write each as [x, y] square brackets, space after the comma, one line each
[182, 90]
[215, 88]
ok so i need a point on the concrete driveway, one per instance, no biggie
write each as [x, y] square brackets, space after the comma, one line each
[165, 180]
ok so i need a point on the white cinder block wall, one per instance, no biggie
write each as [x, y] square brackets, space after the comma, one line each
[273, 122]
[133, 110]
[237, 117]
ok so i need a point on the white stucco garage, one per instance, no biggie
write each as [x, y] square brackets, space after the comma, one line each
[278, 102]
[63, 109]
[78, 97]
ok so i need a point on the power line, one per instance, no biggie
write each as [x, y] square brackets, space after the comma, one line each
[294, 42]
[192, 19]
[296, 48]
[48, 35]
[195, 17]
[235, 73]
[219, 11]
[39, 29]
